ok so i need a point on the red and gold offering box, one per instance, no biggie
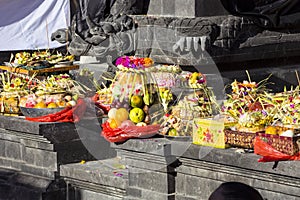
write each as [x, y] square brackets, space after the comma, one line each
[289, 145]
[209, 132]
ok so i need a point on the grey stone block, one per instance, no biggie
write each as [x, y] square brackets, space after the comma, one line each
[38, 171]
[185, 8]
[97, 172]
[45, 145]
[153, 181]
[168, 7]
[134, 192]
[155, 7]
[203, 180]
[2, 148]
[10, 163]
[13, 150]
[41, 158]
[183, 197]
[181, 183]
[131, 198]
[197, 187]
[150, 195]
[90, 195]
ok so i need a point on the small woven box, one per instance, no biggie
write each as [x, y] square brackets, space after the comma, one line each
[239, 139]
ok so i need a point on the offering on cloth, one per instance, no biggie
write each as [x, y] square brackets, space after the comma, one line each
[133, 93]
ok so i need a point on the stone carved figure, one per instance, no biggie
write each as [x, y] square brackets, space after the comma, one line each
[101, 26]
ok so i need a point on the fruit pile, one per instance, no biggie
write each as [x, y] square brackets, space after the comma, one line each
[48, 100]
[54, 91]
[129, 111]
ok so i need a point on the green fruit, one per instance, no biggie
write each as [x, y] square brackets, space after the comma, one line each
[136, 101]
[136, 115]
[172, 132]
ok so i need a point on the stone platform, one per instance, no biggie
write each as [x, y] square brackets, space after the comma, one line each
[164, 169]
[103, 179]
[182, 171]
[31, 154]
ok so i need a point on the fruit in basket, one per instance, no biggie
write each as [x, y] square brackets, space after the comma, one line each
[136, 101]
[40, 105]
[126, 123]
[61, 103]
[71, 103]
[271, 130]
[141, 124]
[52, 105]
[136, 115]
[112, 113]
[113, 123]
[121, 114]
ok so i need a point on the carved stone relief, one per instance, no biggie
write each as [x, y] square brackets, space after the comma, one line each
[113, 31]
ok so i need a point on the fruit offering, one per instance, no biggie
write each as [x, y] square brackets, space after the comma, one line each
[12, 82]
[14, 86]
[287, 106]
[133, 92]
[191, 99]
[40, 58]
[48, 100]
[250, 105]
[59, 84]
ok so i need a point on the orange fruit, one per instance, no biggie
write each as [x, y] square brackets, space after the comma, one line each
[52, 105]
[61, 103]
[40, 105]
[113, 123]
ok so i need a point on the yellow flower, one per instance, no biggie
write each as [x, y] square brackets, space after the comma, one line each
[17, 81]
[148, 61]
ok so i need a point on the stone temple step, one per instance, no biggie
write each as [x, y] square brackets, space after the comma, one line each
[103, 177]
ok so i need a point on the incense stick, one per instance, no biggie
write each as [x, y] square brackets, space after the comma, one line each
[297, 77]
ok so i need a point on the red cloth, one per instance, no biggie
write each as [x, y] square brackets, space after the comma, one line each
[104, 107]
[69, 114]
[270, 154]
[125, 133]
